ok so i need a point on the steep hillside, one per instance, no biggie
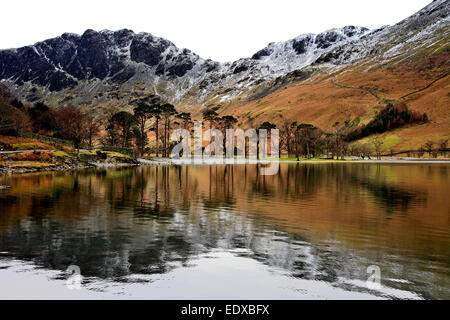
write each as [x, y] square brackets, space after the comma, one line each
[408, 62]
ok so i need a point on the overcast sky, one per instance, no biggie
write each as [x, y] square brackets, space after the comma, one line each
[222, 30]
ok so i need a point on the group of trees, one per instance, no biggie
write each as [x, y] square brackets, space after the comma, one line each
[309, 141]
[434, 148]
[13, 120]
[215, 121]
[306, 140]
[160, 119]
[391, 117]
[67, 122]
[131, 129]
[123, 128]
[299, 139]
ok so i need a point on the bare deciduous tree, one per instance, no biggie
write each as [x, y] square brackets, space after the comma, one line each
[443, 145]
[73, 124]
[429, 147]
[93, 125]
[377, 143]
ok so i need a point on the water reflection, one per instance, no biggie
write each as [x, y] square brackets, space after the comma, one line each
[316, 222]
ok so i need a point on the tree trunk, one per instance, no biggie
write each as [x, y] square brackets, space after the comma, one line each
[168, 138]
[142, 136]
[124, 137]
[90, 140]
[257, 146]
[157, 137]
[307, 150]
[165, 139]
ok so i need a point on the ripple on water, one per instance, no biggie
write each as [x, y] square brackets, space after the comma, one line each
[309, 232]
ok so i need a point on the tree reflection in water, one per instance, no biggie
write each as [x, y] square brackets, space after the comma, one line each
[323, 222]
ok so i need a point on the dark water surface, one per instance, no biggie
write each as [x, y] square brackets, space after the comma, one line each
[188, 232]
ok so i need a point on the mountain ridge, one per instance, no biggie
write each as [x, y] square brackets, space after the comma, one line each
[61, 62]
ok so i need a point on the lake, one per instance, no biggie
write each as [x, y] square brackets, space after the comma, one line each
[312, 231]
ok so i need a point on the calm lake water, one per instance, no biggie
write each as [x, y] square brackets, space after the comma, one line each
[213, 232]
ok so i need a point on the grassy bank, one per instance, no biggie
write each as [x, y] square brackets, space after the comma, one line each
[21, 162]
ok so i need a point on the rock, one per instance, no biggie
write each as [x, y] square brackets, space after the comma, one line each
[326, 39]
[144, 48]
[261, 53]
[301, 46]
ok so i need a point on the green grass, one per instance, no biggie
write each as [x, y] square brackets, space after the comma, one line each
[110, 154]
[117, 155]
[88, 153]
[26, 164]
[30, 146]
[389, 140]
[62, 154]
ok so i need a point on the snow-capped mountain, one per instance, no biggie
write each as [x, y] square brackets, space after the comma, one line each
[119, 66]
[64, 61]
[108, 59]
[423, 29]
[275, 60]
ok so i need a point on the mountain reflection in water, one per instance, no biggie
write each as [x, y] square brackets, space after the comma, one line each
[320, 224]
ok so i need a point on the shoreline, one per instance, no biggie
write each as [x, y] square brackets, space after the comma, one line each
[214, 161]
[57, 160]
[205, 161]
[62, 168]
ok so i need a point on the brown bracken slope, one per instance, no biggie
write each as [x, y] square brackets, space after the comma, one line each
[360, 91]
